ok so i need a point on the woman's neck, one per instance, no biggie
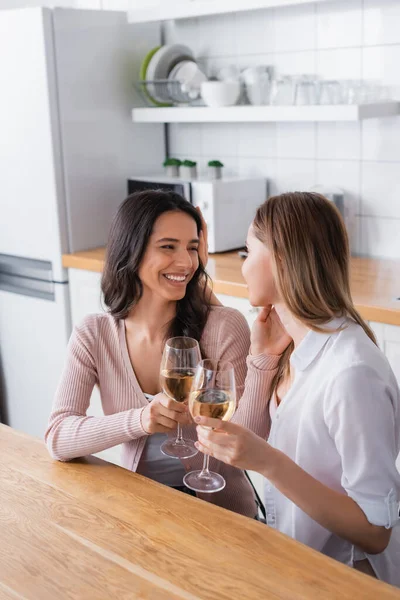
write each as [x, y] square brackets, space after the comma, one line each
[295, 328]
[151, 316]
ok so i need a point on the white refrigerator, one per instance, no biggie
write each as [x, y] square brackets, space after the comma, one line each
[67, 147]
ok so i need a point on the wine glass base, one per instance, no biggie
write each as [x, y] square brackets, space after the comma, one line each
[185, 449]
[207, 483]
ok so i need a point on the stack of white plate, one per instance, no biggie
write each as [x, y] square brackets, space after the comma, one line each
[171, 63]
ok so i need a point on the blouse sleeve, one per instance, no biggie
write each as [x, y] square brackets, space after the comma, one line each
[71, 433]
[360, 411]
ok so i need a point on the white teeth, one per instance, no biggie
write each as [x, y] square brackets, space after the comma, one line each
[176, 277]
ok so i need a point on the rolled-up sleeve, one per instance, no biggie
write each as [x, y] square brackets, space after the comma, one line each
[360, 413]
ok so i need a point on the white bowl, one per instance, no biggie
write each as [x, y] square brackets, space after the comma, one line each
[220, 93]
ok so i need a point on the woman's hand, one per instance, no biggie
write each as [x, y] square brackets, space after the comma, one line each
[203, 257]
[203, 237]
[268, 336]
[233, 445]
[163, 414]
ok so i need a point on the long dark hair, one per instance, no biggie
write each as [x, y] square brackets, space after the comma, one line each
[127, 242]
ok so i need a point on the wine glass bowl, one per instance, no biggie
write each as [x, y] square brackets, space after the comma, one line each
[213, 395]
[178, 365]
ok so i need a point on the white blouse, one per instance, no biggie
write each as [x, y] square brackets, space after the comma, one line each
[340, 422]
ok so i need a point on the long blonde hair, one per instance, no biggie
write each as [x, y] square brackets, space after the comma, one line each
[307, 238]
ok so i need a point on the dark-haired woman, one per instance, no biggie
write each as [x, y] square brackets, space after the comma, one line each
[155, 287]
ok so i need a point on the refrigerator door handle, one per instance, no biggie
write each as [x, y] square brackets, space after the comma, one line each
[26, 267]
[27, 277]
[26, 286]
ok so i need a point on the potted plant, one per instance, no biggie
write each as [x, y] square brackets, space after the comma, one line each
[215, 168]
[188, 169]
[171, 166]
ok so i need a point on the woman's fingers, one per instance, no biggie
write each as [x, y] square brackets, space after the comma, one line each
[217, 438]
[177, 417]
[170, 404]
[264, 313]
[203, 237]
[202, 448]
[166, 422]
[203, 222]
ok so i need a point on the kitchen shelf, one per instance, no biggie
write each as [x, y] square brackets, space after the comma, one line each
[253, 114]
[201, 8]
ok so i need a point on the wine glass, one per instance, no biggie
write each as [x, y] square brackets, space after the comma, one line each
[178, 365]
[213, 395]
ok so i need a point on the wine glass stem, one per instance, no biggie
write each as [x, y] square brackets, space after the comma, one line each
[179, 438]
[205, 470]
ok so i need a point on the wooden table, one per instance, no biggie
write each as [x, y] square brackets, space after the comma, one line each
[94, 531]
[375, 283]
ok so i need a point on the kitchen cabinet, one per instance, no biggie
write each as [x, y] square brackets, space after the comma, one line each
[242, 305]
[388, 338]
[85, 295]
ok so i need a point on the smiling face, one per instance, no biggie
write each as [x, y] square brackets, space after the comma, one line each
[171, 257]
[257, 271]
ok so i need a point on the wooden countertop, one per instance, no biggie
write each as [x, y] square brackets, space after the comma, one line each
[89, 529]
[375, 283]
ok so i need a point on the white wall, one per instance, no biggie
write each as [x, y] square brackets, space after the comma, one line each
[97, 4]
[337, 39]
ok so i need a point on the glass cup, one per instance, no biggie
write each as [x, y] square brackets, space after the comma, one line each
[305, 92]
[178, 365]
[330, 92]
[282, 90]
[213, 395]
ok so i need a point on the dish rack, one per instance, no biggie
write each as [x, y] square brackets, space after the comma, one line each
[166, 92]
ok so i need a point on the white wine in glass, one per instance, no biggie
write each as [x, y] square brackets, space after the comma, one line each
[178, 365]
[215, 404]
[213, 395]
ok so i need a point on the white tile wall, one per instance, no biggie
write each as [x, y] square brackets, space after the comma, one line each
[339, 63]
[256, 139]
[294, 174]
[336, 39]
[380, 139]
[345, 39]
[381, 22]
[294, 140]
[380, 190]
[344, 16]
[380, 237]
[339, 141]
[256, 34]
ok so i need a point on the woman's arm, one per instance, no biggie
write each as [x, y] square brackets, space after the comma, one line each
[337, 512]
[252, 411]
[71, 433]
[268, 340]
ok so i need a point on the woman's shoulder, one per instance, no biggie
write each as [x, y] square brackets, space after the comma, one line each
[352, 347]
[96, 326]
[229, 321]
[357, 364]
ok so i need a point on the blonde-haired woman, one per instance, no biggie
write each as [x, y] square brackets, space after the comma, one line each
[330, 406]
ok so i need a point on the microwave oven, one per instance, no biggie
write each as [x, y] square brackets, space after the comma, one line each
[228, 205]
